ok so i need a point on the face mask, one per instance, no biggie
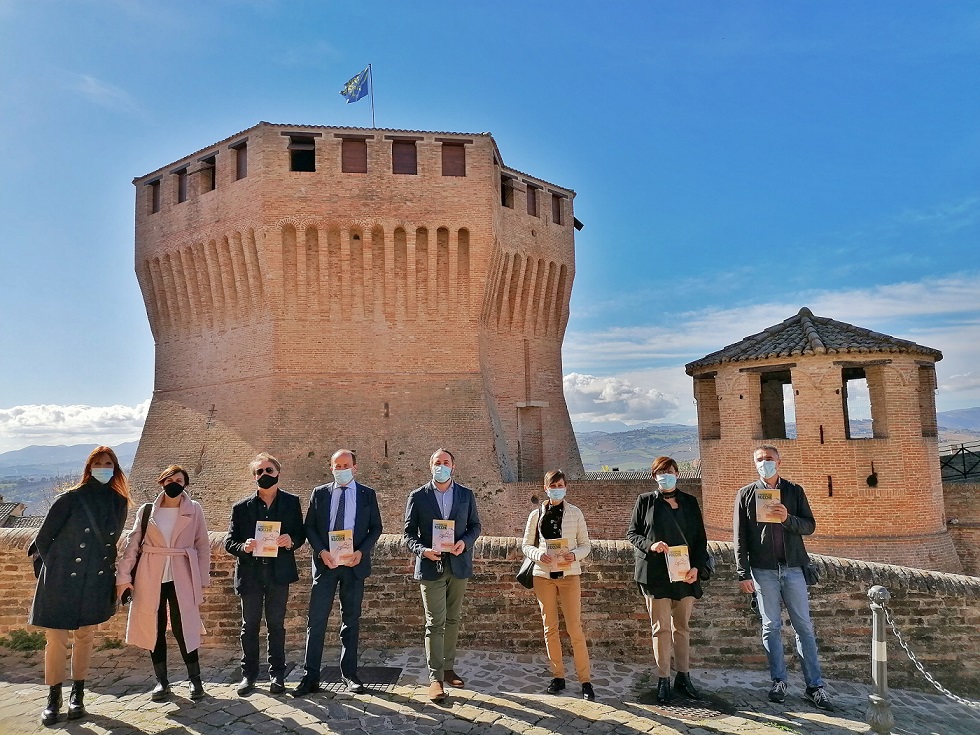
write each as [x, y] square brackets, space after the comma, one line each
[266, 481]
[173, 489]
[767, 468]
[442, 473]
[667, 481]
[343, 477]
[556, 493]
[102, 474]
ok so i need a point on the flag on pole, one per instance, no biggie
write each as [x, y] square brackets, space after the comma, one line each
[357, 86]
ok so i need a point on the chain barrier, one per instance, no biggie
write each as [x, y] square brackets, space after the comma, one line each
[939, 687]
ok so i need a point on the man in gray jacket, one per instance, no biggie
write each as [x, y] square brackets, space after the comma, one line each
[769, 558]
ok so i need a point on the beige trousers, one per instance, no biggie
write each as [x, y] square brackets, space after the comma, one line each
[568, 590]
[670, 621]
[56, 653]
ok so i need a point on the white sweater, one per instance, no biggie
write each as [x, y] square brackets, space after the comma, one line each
[572, 527]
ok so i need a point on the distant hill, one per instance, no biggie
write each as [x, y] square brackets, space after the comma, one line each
[637, 448]
[960, 418]
[29, 475]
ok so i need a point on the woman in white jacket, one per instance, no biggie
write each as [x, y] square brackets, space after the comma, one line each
[557, 576]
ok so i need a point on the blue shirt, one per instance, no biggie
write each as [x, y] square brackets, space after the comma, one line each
[350, 504]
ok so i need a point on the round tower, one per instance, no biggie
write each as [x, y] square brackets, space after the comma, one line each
[311, 288]
[801, 385]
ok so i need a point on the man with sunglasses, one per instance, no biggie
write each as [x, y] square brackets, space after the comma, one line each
[263, 575]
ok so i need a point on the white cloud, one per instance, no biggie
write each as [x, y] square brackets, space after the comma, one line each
[592, 398]
[104, 94]
[22, 426]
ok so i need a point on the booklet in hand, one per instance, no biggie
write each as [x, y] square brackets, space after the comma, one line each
[267, 538]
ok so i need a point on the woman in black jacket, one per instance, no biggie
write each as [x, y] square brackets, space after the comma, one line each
[76, 589]
[663, 521]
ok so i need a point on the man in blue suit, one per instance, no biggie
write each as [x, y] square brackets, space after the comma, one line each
[340, 505]
[442, 575]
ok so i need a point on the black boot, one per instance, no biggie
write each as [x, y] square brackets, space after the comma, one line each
[50, 714]
[685, 687]
[161, 692]
[663, 690]
[194, 674]
[76, 707]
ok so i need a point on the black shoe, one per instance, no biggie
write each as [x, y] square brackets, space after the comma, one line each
[685, 687]
[818, 697]
[76, 705]
[50, 714]
[556, 685]
[588, 692]
[353, 684]
[194, 674]
[277, 685]
[663, 690]
[246, 685]
[161, 692]
[306, 686]
[777, 693]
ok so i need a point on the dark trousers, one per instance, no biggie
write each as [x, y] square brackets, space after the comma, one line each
[168, 597]
[270, 598]
[326, 584]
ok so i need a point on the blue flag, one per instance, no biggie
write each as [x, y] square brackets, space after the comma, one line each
[357, 86]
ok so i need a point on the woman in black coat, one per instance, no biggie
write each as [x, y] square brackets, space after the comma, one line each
[76, 588]
[662, 521]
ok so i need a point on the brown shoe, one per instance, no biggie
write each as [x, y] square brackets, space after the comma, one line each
[437, 692]
[453, 679]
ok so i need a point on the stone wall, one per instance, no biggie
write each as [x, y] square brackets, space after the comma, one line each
[940, 613]
[963, 517]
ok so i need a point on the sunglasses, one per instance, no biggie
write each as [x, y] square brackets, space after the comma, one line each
[265, 471]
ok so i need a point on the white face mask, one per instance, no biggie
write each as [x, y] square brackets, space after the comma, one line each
[442, 472]
[666, 481]
[343, 477]
[766, 467]
[102, 474]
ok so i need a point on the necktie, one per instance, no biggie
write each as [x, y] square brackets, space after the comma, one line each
[338, 520]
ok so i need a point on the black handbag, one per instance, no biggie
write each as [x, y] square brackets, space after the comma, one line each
[36, 561]
[810, 573]
[525, 575]
[127, 596]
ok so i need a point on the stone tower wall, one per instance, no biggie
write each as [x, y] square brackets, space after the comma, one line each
[900, 520]
[303, 311]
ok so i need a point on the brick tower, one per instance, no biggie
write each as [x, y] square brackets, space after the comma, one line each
[877, 494]
[310, 288]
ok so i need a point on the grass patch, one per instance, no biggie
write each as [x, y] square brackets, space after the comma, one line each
[111, 644]
[22, 640]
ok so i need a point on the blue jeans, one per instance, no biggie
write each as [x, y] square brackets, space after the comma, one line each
[786, 585]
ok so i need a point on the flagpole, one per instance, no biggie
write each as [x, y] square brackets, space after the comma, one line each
[371, 77]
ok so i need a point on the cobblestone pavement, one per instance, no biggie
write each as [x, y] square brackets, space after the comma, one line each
[503, 695]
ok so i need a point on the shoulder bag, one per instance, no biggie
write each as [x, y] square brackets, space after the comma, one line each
[525, 575]
[709, 566]
[127, 596]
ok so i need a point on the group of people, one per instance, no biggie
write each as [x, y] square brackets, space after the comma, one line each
[165, 565]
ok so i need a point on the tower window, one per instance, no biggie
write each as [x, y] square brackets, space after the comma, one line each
[404, 157]
[556, 209]
[302, 153]
[154, 190]
[241, 160]
[208, 172]
[353, 158]
[863, 398]
[453, 159]
[778, 405]
[506, 192]
[532, 200]
[181, 185]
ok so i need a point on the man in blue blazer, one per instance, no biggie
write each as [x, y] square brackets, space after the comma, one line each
[263, 582]
[340, 505]
[442, 575]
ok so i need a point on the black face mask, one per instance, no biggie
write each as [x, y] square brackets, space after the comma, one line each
[266, 481]
[173, 489]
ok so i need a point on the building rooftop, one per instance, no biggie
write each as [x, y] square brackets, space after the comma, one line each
[807, 334]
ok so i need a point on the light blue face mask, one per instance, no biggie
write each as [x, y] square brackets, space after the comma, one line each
[343, 477]
[102, 474]
[556, 493]
[767, 468]
[442, 473]
[666, 481]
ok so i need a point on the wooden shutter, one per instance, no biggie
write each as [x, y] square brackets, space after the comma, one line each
[532, 201]
[556, 209]
[453, 159]
[404, 158]
[354, 156]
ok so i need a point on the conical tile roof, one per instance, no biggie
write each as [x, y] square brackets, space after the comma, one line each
[806, 334]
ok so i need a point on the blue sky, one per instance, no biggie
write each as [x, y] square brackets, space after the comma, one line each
[733, 162]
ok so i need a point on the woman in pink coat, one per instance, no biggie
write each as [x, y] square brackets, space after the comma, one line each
[174, 567]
